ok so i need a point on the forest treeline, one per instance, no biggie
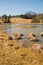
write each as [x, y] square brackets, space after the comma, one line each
[36, 18]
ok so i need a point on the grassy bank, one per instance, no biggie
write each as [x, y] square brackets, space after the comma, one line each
[18, 20]
[14, 53]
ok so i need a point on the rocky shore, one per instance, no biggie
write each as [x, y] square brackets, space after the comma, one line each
[14, 53]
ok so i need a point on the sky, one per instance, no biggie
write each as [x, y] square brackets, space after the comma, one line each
[16, 7]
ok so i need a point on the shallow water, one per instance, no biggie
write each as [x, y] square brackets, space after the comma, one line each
[23, 28]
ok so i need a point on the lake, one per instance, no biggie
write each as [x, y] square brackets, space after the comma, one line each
[25, 29]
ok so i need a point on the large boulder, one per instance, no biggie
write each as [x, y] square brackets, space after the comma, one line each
[34, 39]
[41, 34]
[18, 34]
[30, 35]
[37, 47]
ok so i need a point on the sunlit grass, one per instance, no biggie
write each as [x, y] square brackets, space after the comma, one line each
[24, 26]
[14, 53]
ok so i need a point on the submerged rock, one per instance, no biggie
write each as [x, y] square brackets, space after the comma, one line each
[18, 37]
[10, 38]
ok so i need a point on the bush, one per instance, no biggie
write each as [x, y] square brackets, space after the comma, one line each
[5, 19]
[35, 21]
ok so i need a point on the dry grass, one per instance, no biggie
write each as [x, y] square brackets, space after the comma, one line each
[20, 20]
[12, 53]
[19, 56]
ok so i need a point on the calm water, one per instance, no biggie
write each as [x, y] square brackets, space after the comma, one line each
[12, 28]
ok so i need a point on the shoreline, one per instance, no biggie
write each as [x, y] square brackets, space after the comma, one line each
[26, 23]
[21, 23]
[18, 52]
[19, 20]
